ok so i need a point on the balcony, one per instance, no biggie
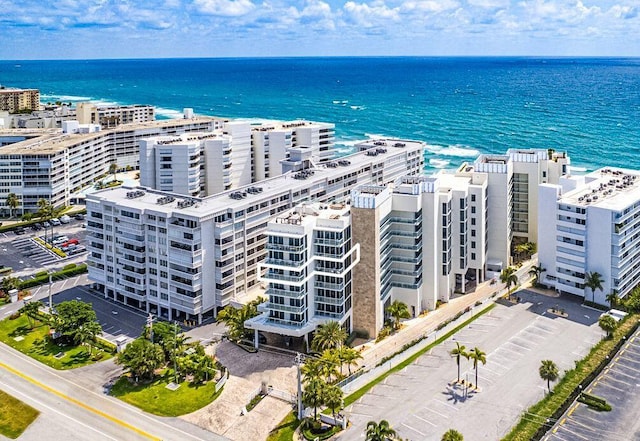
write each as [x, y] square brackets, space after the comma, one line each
[332, 242]
[331, 286]
[286, 308]
[285, 322]
[281, 262]
[287, 278]
[281, 247]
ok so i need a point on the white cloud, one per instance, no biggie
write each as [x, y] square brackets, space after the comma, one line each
[367, 16]
[225, 8]
[432, 6]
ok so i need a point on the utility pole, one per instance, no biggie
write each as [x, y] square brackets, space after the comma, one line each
[50, 296]
[150, 325]
[298, 363]
[175, 356]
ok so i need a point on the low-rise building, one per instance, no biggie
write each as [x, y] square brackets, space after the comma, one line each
[113, 116]
[18, 100]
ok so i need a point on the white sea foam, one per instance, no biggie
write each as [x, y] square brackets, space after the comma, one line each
[65, 98]
[456, 150]
[341, 102]
[439, 163]
[578, 169]
[169, 113]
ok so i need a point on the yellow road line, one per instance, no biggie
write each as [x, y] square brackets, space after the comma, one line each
[80, 403]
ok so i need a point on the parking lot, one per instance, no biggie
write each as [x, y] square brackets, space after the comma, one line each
[26, 257]
[618, 384]
[421, 402]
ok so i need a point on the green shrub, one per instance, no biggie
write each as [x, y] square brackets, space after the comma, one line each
[41, 274]
[69, 266]
[14, 316]
[594, 402]
[104, 345]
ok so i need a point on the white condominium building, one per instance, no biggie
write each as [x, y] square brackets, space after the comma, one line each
[113, 116]
[272, 140]
[53, 166]
[591, 224]
[420, 240]
[186, 257]
[513, 197]
[308, 271]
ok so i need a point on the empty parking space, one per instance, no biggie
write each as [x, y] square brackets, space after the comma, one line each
[422, 401]
[618, 384]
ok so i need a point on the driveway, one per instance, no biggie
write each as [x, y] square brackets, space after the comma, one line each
[247, 372]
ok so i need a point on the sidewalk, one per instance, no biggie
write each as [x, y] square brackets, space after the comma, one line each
[423, 326]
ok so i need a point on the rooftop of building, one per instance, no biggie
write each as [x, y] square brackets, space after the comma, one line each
[16, 89]
[55, 141]
[245, 196]
[305, 214]
[610, 188]
[184, 138]
[269, 125]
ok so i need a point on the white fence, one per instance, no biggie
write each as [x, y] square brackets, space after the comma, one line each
[222, 381]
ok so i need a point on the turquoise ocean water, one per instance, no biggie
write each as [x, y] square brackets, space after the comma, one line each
[460, 106]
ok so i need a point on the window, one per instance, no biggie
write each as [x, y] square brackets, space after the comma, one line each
[473, 198]
[473, 256]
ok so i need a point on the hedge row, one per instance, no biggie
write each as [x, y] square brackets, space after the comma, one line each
[42, 277]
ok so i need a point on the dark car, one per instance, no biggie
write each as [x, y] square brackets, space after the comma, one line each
[79, 216]
[20, 231]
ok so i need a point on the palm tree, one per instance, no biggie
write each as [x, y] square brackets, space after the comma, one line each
[381, 431]
[312, 368]
[613, 299]
[459, 351]
[333, 399]
[452, 435]
[508, 277]
[31, 310]
[328, 336]
[12, 202]
[549, 372]
[398, 310]
[313, 394]
[477, 355]
[329, 362]
[608, 324]
[87, 333]
[536, 271]
[350, 356]
[45, 213]
[593, 281]
[113, 168]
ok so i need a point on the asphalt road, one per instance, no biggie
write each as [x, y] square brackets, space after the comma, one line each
[72, 412]
[619, 385]
[421, 402]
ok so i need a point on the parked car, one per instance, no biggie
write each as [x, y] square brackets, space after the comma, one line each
[67, 248]
[77, 250]
[19, 230]
[65, 219]
[60, 240]
[79, 216]
[46, 224]
[55, 221]
[71, 242]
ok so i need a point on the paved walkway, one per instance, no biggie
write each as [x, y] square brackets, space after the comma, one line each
[372, 352]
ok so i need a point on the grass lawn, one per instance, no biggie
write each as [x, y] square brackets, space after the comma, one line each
[284, 431]
[15, 416]
[568, 384]
[33, 342]
[155, 398]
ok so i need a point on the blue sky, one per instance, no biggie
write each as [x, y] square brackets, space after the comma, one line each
[65, 29]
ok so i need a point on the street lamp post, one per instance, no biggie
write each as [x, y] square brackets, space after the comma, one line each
[175, 337]
[50, 296]
[298, 362]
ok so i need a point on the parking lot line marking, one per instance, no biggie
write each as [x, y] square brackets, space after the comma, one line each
[446, 404]
[415, 430]
[611, 386]
[427, 421]
[516, 344]
[434, 411]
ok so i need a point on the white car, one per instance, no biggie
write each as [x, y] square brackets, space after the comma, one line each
[55, 221]
[65, 219]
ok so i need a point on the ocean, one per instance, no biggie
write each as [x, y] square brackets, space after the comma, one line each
[460, 107]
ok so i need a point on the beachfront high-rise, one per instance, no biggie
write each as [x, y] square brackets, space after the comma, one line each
[421, 240]
[513, 197]
[308, 271]
[590, 224]
[184, 257]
